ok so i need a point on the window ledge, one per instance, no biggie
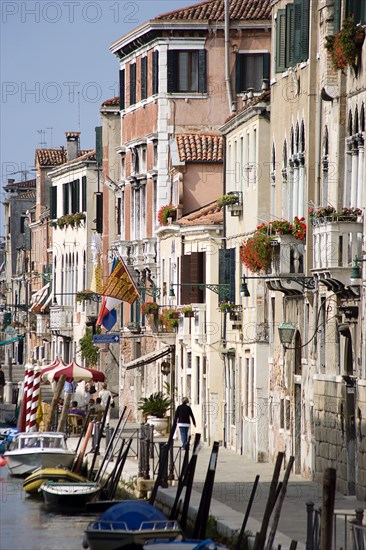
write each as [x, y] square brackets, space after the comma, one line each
[273, 81]
[183, 95]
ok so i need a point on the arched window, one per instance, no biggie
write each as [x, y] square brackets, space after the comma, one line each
[285, 194]
[362, 118]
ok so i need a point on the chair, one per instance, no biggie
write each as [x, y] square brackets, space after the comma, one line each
[76, 423]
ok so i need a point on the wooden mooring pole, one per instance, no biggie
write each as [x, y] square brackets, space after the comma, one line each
[327, 517]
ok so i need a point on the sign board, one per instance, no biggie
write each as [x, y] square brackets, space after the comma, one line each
[106, 338]
[10, 331]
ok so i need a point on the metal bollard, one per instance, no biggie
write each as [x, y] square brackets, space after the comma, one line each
[140, 450]
[163, 459]
[96, 434]
[108, 436]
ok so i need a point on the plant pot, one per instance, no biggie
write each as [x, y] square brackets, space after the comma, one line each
[154, 311]
[189, 314]
[160, 424]
[359, 36]
[174, 315]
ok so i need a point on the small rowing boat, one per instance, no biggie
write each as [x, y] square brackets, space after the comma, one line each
[69, 496]
[32, 483]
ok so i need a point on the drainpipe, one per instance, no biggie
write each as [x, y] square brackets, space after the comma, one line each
[232, 106]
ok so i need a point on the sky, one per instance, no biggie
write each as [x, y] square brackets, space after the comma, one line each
[56, 70]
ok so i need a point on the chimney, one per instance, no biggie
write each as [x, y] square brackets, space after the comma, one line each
[72, 145]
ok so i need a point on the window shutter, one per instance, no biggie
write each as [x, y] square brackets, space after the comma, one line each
[266, 65]
[83, 189]
[99, 212]
[227, 271]
[53, 203]
[337, 15]
[77, 195]
[193, 271]
[155, 72]
[202, 81]
[144, 77]
[297, 31]
[65, 198]
[132, 83]
[171, 65]
[281, 41]
[290, 38]
[122, 89]
[238, 72]
[357, 8]
[305, 15]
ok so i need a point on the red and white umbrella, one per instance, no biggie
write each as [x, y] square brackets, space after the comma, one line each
[57, 362]
[75, 372]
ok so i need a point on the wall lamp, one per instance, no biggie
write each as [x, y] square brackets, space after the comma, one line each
[356, 275]
[305, 282]
[286, 332]
[223, 290]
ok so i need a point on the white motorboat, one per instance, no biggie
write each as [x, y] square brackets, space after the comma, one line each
[31, 450]
[69, 496]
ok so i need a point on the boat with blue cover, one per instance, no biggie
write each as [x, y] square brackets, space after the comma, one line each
[130, 524]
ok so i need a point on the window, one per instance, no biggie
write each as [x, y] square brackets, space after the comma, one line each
[251, 69]
[132, 83]
[292, 35]
[155, 72]
[357, 8]
[71, 197]
[193, 271]
[227, 271]
[143, 77]
[83, 201]
[122, 86]
[53, 203]
[187, 71]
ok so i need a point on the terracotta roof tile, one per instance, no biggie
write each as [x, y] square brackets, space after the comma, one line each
[207, 215]
[50, 157]
[20, 184]
[111, 102]
[263, 97]
[84, 155]
[200, 147]
[213, 10]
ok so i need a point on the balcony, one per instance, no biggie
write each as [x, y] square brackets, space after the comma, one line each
[336, 242]
[288, 260]
[61, 319]
[140, 254]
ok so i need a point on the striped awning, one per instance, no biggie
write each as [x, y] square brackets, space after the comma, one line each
[38, 299]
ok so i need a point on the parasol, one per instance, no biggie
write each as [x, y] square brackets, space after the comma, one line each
[57, 362]
[75, 372]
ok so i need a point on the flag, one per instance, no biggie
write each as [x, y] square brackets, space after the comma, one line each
[96, 249]
[119, 287]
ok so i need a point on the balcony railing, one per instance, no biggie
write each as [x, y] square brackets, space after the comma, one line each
[61, 319]
[138, 253]
[288, 256]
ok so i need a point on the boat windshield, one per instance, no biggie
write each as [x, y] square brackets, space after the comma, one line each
[45, 442]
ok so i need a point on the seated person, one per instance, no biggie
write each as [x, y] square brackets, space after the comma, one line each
[98, 405]
[91, 406]
[74, 409]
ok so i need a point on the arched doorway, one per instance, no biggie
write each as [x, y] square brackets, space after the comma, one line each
[297, 402]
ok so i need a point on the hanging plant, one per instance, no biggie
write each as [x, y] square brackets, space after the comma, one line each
[88, 350]
[167, 321]
[226, 307]
[342, 47]
[256, 252]
[149, 308]
[165, 212]
[230, 198]
[78, 218]
[187, 311]
[83, 295]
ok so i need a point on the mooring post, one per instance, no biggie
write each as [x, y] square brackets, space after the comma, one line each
[309, 526]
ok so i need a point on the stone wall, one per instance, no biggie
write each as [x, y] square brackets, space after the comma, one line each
[361, 439]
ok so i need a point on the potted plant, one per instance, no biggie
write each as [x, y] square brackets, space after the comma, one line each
[154, 409]
[226, 307]
[187, 311]
[78, 218]
[168, 322]
[61, 222]
[165, 212]
[149, 308]
[70, 220]
[343, 47]
[256, 252]
[83, 295]
[229, 198]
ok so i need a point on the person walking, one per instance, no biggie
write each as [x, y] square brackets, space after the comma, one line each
[183, 416]
[2, 385]
[104, 394]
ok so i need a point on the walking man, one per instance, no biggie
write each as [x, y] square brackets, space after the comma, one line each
[2, 385]
[183, 417]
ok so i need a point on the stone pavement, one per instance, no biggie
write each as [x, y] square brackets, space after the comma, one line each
[234, 478]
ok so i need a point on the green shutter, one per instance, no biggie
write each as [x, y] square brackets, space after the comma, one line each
[297, 31]
[290, 35]
[98, 144]
[202, 81]
[132, 83]
[77, 195]
[227, 271]
[83, 189]
[53, 203]
[65, 198]
[171, 64]
[122, 89]
[281, 41]
[337, 15]
[305, 19]
[266, 65]
[99, 212]
[238, 73]
[155, 72]
[144, 77]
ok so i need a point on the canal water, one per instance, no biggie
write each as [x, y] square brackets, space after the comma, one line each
[26, 525]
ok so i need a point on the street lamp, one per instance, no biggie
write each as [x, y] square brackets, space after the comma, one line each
[286, 332]
[244, 292]
[356, 275]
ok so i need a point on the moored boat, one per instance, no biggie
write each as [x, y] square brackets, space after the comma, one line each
[32, 483]
[29, 451]
[128, 523]
[69, 496]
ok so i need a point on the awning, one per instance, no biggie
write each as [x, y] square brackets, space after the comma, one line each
[38, 298]
[148, 358]
[4, 342]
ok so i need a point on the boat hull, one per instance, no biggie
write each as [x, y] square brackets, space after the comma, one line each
[69, 496]
[32, 483]
[114, 538]
[22, 464]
